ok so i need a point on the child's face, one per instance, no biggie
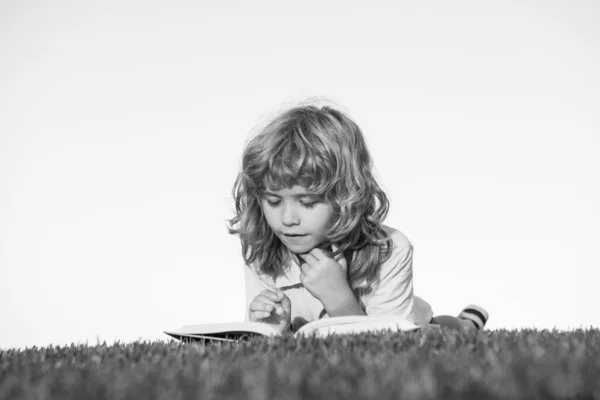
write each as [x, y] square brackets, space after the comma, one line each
[296, 211]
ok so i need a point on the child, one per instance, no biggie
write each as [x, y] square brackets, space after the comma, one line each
[309, 215]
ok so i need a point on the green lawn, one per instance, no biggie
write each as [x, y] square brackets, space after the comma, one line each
[427, 364]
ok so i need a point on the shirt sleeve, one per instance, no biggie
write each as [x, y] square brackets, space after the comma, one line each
[394, 292]
[254, 285]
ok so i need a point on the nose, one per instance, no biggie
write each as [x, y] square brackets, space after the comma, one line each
[289, 215]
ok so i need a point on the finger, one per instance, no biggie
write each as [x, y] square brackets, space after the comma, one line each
[309, 258]
[261, 306]
[304, 268]
[268, 307]
[318, 253]
[273, 299]
[265, 300]
[280, 295]
[279, 310]
[271, 295]
[260, 315]
[340, 257]
[286, 304]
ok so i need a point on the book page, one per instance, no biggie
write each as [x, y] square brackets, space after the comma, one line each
[229, 330]
[356, 324]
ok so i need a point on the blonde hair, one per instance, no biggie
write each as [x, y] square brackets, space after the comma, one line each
[323, 150]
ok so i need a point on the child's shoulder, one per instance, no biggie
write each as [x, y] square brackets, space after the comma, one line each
[399, 239]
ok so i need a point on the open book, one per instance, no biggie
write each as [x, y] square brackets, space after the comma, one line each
[322, 327]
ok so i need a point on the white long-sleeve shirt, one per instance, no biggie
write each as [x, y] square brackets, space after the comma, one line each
[392, 295]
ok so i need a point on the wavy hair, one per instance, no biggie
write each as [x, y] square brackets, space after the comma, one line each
[323, 150]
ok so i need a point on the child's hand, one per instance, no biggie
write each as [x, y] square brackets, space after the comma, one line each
[323, 276]
[272, 307]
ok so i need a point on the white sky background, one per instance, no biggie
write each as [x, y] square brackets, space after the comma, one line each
[122, 125]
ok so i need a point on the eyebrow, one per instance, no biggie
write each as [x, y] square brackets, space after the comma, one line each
[297, 196]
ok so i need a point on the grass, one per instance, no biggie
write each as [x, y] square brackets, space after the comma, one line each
[427, 364]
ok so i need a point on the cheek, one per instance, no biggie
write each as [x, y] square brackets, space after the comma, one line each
[268, 215]
[270, 219]
[327, 219]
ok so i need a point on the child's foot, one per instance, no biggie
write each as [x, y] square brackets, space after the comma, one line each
[473, 316]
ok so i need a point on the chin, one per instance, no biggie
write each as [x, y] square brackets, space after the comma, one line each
[299, 249]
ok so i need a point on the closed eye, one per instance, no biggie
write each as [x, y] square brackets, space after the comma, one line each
[275, 203]
[309, 205]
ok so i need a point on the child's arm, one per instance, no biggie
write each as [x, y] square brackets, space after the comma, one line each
[326, 279]
[343, 304]
[394, 292]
